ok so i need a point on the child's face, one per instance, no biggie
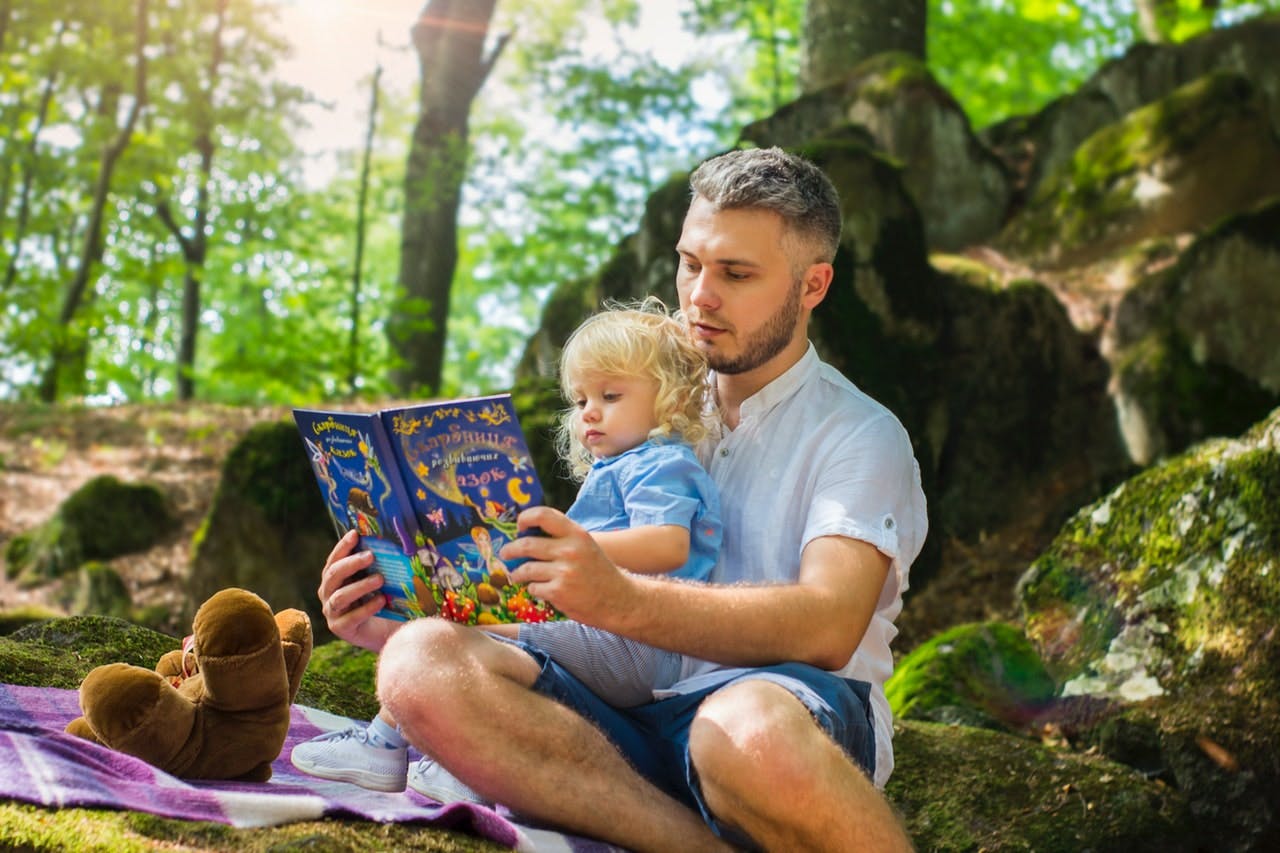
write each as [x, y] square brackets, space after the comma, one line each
[614, 413]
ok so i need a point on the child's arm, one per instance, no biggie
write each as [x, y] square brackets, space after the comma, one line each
[651, 549]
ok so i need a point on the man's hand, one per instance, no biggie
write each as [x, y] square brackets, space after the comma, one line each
[339, 594]
[566, 567]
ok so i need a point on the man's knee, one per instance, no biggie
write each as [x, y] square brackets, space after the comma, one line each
[418, 660]
[752, 731]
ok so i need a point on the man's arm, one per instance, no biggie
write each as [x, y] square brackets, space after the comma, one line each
[819, 620]
[650, 549]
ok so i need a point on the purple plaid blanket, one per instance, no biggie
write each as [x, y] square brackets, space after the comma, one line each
[40, 764]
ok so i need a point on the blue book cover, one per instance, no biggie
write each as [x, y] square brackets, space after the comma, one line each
[433, 491]
[468, 473]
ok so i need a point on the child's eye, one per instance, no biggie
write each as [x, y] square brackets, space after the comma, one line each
[611, 396]
[581, 403]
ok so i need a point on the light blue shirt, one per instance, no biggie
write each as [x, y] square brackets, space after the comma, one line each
[655, 483]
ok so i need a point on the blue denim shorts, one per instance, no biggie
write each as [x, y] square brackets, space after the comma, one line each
[654, 738]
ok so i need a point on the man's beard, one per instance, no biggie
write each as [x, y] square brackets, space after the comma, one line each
[764, 344]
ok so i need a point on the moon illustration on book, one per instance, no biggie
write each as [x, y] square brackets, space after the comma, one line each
[515, 488]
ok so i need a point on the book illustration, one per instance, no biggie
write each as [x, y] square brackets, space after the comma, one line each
[433, 491]
[468, 472]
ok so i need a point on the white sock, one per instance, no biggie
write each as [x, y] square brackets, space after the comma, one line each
[385, 736]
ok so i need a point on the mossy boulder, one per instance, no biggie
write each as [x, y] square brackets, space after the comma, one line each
[1160, 601]
[1192, 347]
[268, 530]
[1202, 152]
[989, 669]
[98, 589]
[1035, 146]
[103, 519]
[961, 189]
[969, 789]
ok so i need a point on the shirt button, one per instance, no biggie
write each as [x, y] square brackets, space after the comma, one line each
[724, 451]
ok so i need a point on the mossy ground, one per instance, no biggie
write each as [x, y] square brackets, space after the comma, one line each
[29, 828]
[965, 789]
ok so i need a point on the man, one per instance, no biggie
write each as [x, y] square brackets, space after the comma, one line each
[779, 726]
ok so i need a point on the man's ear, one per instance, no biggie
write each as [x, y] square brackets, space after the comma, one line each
[817, 280]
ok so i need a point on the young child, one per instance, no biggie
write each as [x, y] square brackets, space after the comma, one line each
[640, 397]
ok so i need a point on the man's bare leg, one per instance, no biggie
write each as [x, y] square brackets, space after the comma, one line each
[464, 698]
[766, 767]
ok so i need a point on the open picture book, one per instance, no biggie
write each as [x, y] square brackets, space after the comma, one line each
[433, 490]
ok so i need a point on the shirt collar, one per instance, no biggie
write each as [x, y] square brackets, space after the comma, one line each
[609, 460]
[781, 388]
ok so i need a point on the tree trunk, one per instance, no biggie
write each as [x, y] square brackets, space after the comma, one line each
[68, 345]
[353, 365]
[449, 37]
[196, 246]
[840, 34]
[1154, 16]
[29, 164]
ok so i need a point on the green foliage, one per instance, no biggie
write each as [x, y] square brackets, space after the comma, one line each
[578, 124]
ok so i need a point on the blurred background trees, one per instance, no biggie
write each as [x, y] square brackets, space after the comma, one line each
[164, 233]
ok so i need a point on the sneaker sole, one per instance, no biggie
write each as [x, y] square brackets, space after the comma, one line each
[354, 777]
[446, 795]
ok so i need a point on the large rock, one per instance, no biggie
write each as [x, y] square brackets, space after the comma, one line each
[1205, 150]
[961, 189]
[103, 519]
[1035, 146]
[1193, 347]
[268, 530]
[1157, 607]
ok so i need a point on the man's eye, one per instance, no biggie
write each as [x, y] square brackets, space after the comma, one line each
[733, 275]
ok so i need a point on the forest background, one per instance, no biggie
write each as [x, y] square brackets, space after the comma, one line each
[171, 229]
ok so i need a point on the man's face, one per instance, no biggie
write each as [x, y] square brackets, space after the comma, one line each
[737, 287]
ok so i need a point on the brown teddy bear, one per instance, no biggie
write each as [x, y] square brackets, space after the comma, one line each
[216, 709]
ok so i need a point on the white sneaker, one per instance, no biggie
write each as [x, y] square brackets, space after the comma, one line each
[431, 780]
[348, 756]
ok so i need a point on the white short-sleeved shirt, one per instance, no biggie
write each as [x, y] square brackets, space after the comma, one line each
[814, 456]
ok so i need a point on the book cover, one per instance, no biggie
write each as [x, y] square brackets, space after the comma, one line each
[433, 490]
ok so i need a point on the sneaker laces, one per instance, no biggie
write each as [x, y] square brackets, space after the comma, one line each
[356, 732]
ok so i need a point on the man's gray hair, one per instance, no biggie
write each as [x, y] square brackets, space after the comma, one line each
[773, 179]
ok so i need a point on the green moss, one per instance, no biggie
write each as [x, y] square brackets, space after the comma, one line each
[340, 679]
[1184, 551]
[1096, 187]
[100, 590]
[989, 667]
[964, 789]
[102, 519]
[24, 827]
[883, 76]
[20, 617]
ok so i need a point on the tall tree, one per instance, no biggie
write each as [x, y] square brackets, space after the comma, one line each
[69, 350]
[195, 243]
[454, 59]
[839, 34]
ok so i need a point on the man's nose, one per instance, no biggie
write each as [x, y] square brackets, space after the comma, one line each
[701, 293]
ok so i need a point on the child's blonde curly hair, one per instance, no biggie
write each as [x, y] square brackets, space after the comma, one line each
[637, 340]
